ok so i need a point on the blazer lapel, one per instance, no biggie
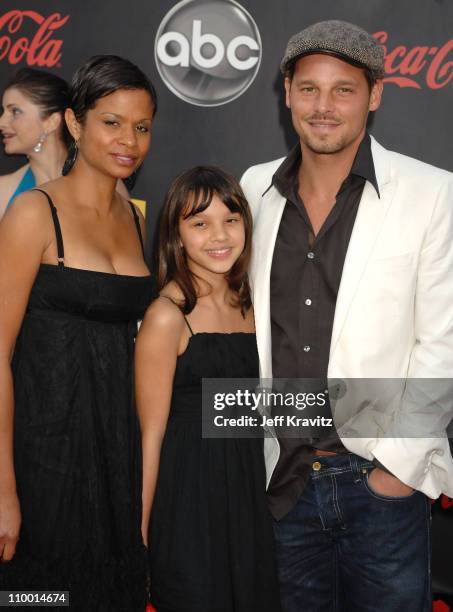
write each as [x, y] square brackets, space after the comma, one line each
[368, 224]
[266, 224]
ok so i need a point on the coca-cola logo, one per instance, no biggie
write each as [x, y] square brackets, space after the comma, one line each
[431, 65]
[42, 49]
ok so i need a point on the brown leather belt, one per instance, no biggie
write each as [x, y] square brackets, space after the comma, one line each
[322, 453]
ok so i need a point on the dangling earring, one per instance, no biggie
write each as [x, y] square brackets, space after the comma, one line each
[38, 146]
[71, 159]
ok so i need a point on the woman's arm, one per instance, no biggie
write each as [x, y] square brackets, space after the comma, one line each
[156, 352]
[23, 233]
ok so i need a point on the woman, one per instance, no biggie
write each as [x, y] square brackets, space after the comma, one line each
[32, 124]
[74, 282]
[210, 535]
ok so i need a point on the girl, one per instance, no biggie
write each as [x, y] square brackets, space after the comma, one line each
[73, 282]
[209, 535]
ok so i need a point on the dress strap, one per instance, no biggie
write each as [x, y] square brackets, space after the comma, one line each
[56, 222]
[185, 318]
[137, 225]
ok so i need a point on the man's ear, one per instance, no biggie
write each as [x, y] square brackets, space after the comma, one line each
[287, 91]
[72, 123]
[376, 95]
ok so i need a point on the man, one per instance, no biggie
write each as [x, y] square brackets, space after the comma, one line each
[352, 278]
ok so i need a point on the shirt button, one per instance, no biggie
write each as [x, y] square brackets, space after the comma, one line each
[306, 348]
[308, 302]
[310, 255]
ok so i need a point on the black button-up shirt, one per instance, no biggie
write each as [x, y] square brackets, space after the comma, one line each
[305, 279]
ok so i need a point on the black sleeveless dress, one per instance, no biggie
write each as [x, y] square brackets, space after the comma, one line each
[76, 438]
[211, 544]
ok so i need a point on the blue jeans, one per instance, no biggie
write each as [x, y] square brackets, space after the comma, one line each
[345, 548]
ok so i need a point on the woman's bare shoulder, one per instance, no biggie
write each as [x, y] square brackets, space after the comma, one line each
[29, 215]
[127, 202]
[26, 227]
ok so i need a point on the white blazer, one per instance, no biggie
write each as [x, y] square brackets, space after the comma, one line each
[393, 317]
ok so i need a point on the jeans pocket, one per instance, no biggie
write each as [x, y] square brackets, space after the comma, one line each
[381, 496]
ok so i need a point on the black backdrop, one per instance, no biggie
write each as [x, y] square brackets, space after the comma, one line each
[415, 117]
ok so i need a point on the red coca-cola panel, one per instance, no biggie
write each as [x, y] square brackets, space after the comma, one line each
[446, 502]
[440, 606]
[433, 66]
[43, 49]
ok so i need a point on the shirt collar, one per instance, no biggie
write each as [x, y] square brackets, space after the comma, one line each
[363, 166]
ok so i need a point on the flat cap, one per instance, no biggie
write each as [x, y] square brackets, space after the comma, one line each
[340, 38]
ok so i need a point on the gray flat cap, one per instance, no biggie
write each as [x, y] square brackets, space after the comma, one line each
[340, 38]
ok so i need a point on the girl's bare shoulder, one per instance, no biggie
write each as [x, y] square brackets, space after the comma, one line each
[173, 292]
[164, 313]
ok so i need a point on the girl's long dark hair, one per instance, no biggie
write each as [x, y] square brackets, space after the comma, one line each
[191, 193]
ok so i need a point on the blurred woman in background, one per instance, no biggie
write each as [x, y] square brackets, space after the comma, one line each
[32, 124]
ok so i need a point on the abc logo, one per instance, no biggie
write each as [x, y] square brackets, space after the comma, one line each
[208, 52]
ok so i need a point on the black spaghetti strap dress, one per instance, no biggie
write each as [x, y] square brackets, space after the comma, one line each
[211, 545]
[76, 438]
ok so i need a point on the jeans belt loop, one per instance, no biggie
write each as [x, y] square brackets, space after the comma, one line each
[353, 460]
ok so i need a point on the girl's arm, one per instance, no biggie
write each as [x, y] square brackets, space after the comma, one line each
[24, 233]
[156, 352]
